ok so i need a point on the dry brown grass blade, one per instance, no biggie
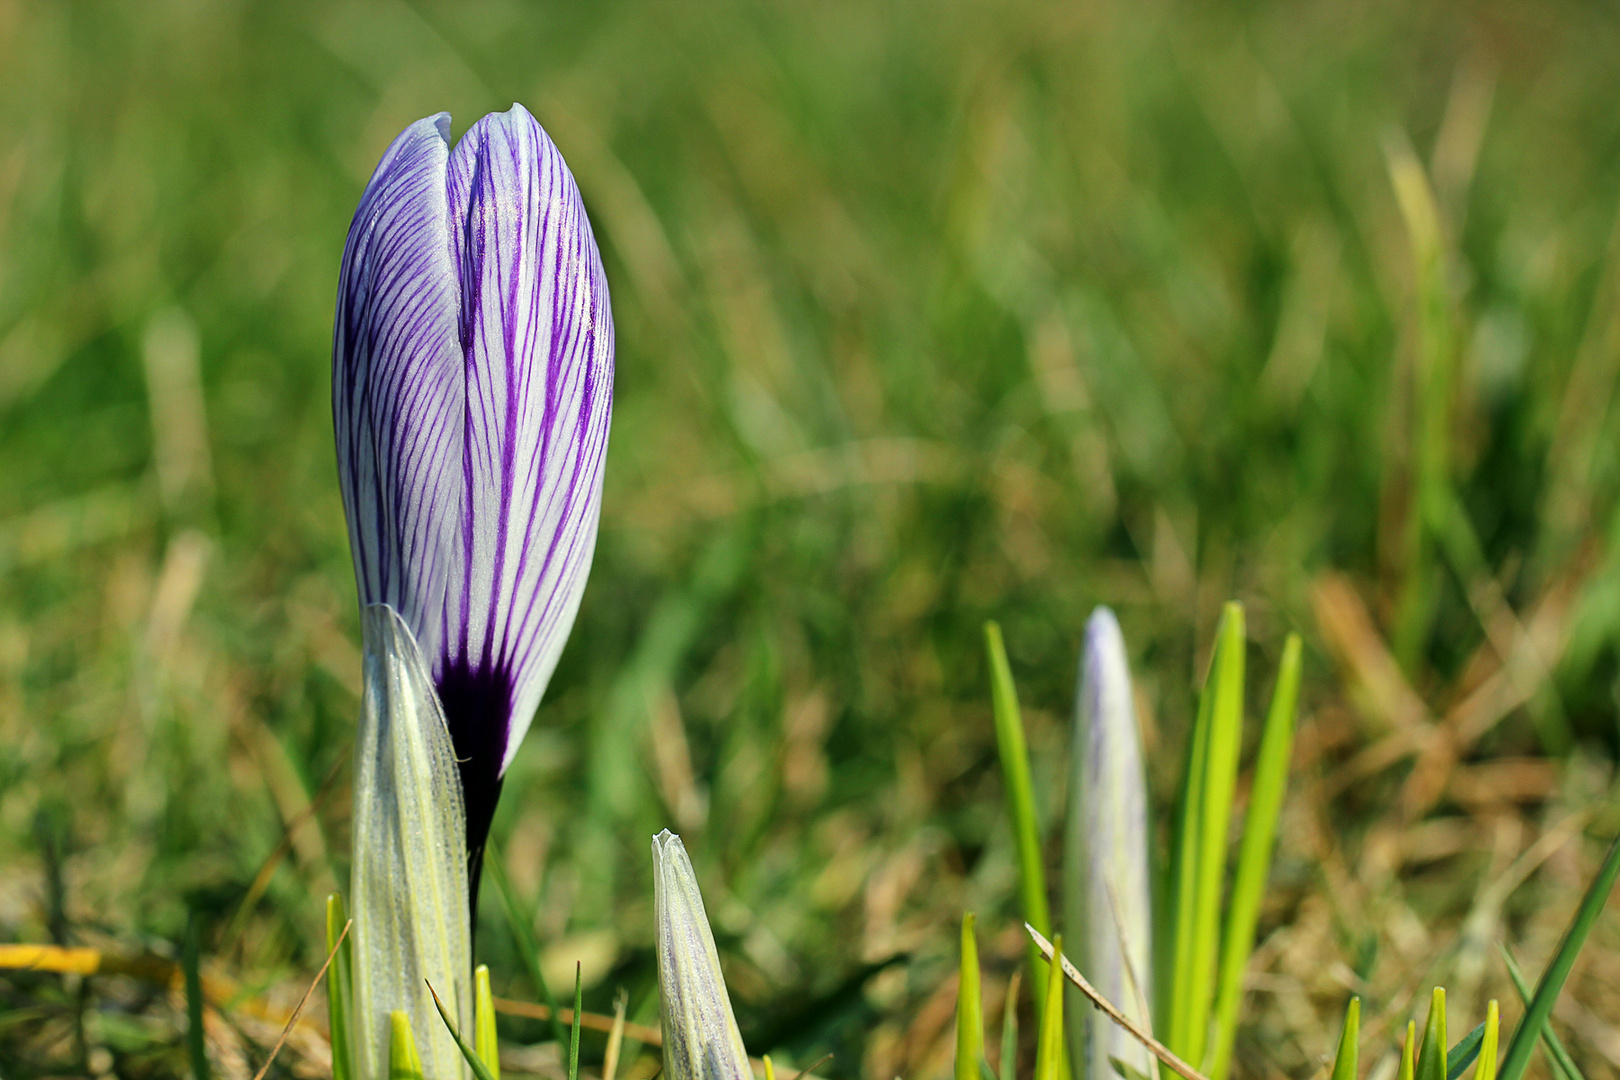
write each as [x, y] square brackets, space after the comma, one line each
[298, 1009]
[594, 1021]
[1157, 1048]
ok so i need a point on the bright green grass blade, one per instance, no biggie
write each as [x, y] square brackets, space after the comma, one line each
[518, 926]
[1487, 1049]
[1345, 1059]
[1459, 1057]
[1552, 980]
[1562, 1063]
[1254, 856]
[573, 1035]
[1408, 1048]
[1211, 781]
[1049, 1047]
[191, 965]
[1431, 1059]
[1184, 870]
[1009, 1030]
[770, 1069]
[472, 1056]
[485, 1041]
[404, 1063]
[338, 990]
[1020, 800]
[969, 1008]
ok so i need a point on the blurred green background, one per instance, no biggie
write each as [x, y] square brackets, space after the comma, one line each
[927, 313]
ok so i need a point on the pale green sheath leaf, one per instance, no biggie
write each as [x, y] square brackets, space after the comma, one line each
[409, 875]
[701, 1040]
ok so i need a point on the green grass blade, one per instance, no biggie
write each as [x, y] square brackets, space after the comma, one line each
[1210, 783]
[1562, 1063]
[485, 1039]
[1408, 1049]
[191, 965]
[1345, 1060]
[1184, 870]
[969, 1008]
[1487, 1050]
[1552, 980]
[573, 1035]
[471, 1055]
[1020, 800]
[518, 926]
[1459, 1057]
[1049, 1047]
[1254, 855]
[1009, 1030]
[338, 990]
[1431, 1059]
[404, 1063]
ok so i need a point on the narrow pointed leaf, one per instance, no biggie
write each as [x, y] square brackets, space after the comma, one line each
[1211, 783]
[1049, 1047]
[404, 1063]
[471, 1055]
[1487, 1050]
[1407, 1070]
[573, 1034]
[485, 1039]
[969, 1007]
[1464, 1054]
[1539, 1010]
[1562, 1063]
[1254, 855]
[339, 981]
[409, 876]
[1020, 799]
[1345, 1058]
[1431, 1059]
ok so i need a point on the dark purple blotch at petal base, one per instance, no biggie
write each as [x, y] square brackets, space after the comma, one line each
[478, 709]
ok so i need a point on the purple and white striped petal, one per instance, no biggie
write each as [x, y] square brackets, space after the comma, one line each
[396, 382]
[472, 435]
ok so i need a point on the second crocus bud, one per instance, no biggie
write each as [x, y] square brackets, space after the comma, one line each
[701, 1040]
[1106, 906]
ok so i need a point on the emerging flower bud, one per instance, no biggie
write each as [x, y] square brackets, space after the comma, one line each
[701, 1041]
[1107, 912]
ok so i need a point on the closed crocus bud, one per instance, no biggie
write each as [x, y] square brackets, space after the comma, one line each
[472, 381]
[701, 1041]
[1107, 916]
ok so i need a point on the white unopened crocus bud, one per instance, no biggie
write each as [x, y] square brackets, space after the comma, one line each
[701, 1040]
[1106, 906]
